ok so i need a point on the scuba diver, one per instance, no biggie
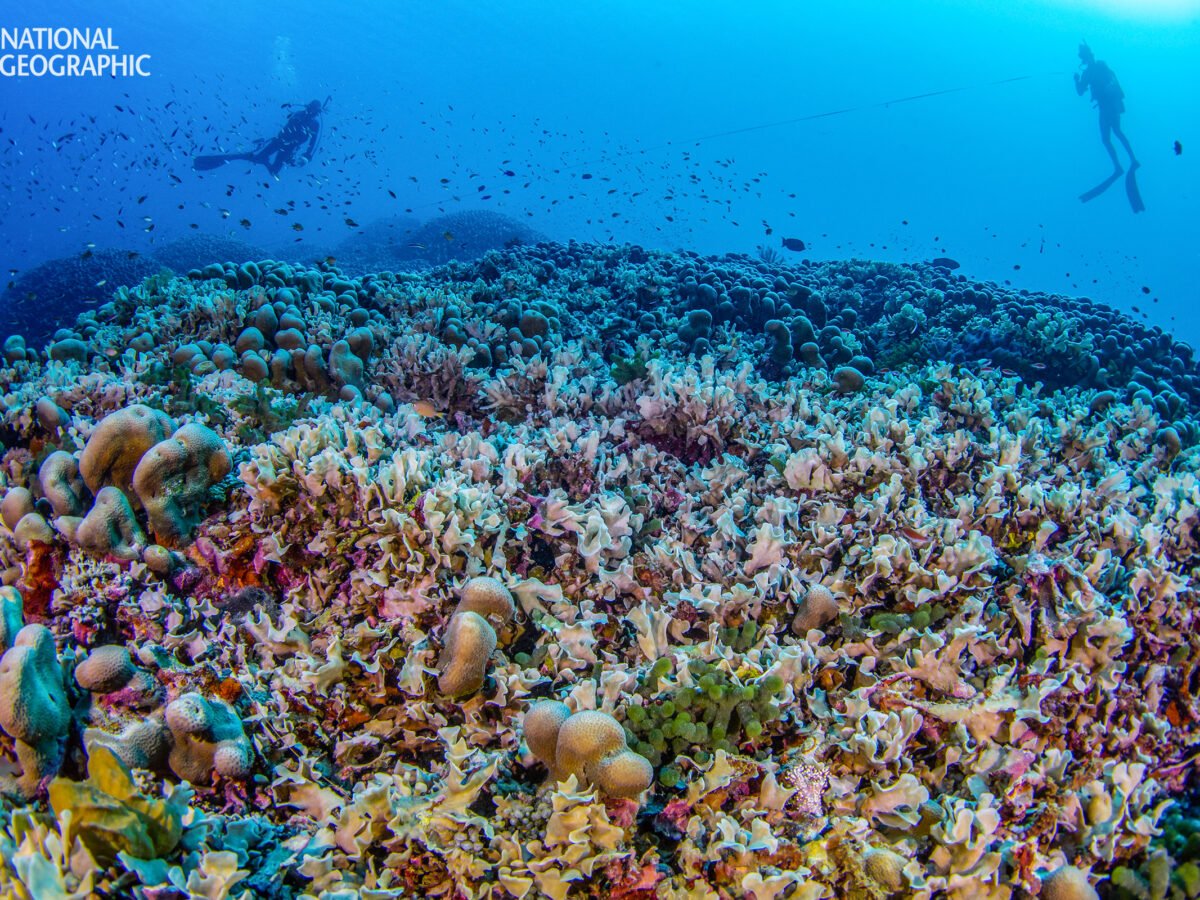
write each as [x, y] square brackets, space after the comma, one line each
[302, 127]
[1109, 100]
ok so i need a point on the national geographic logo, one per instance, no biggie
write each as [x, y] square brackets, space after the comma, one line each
[67, 53]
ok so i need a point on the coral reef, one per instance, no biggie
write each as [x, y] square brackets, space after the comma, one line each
[385, 245]
[51, 295]
[198, 250]
[464, 235]
[807, 581]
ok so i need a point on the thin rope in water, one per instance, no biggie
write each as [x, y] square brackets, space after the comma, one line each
[878, 104]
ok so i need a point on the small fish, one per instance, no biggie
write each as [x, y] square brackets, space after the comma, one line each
[794, 244]
[427, 410]
[245, 223]
[944, 262]
[914, 536]
[1178, 148]
[351, 222]
[448, 235]
[392, 194]
[417, 246]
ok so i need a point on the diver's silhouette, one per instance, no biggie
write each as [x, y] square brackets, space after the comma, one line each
[302, 127]
[1109, 100]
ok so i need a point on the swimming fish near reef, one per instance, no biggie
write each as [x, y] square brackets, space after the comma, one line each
[1178, 148]
[427, 410]
[793, 244]
[944, 262]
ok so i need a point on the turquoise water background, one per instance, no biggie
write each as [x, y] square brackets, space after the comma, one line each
[988, 173]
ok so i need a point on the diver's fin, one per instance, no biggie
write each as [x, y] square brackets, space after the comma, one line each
[204, 163]
[1100, 188]
[1132, 192]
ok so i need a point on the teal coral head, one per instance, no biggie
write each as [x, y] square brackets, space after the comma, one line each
[33, 704]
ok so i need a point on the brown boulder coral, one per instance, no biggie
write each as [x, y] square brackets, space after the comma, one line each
[118, 444]
[542, 723]
[110, 528]
[488, 597]
[1067, 883]
[589, 745]
[111, 671]
[17, 503]
[470, 637]
[173, 479]
[816, 609]
[12, 616]
[462, 666]
[62, 484]
[106, 669]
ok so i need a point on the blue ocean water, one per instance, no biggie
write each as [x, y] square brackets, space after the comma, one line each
[701, 126]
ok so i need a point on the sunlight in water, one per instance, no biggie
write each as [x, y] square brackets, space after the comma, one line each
[1175, 10]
